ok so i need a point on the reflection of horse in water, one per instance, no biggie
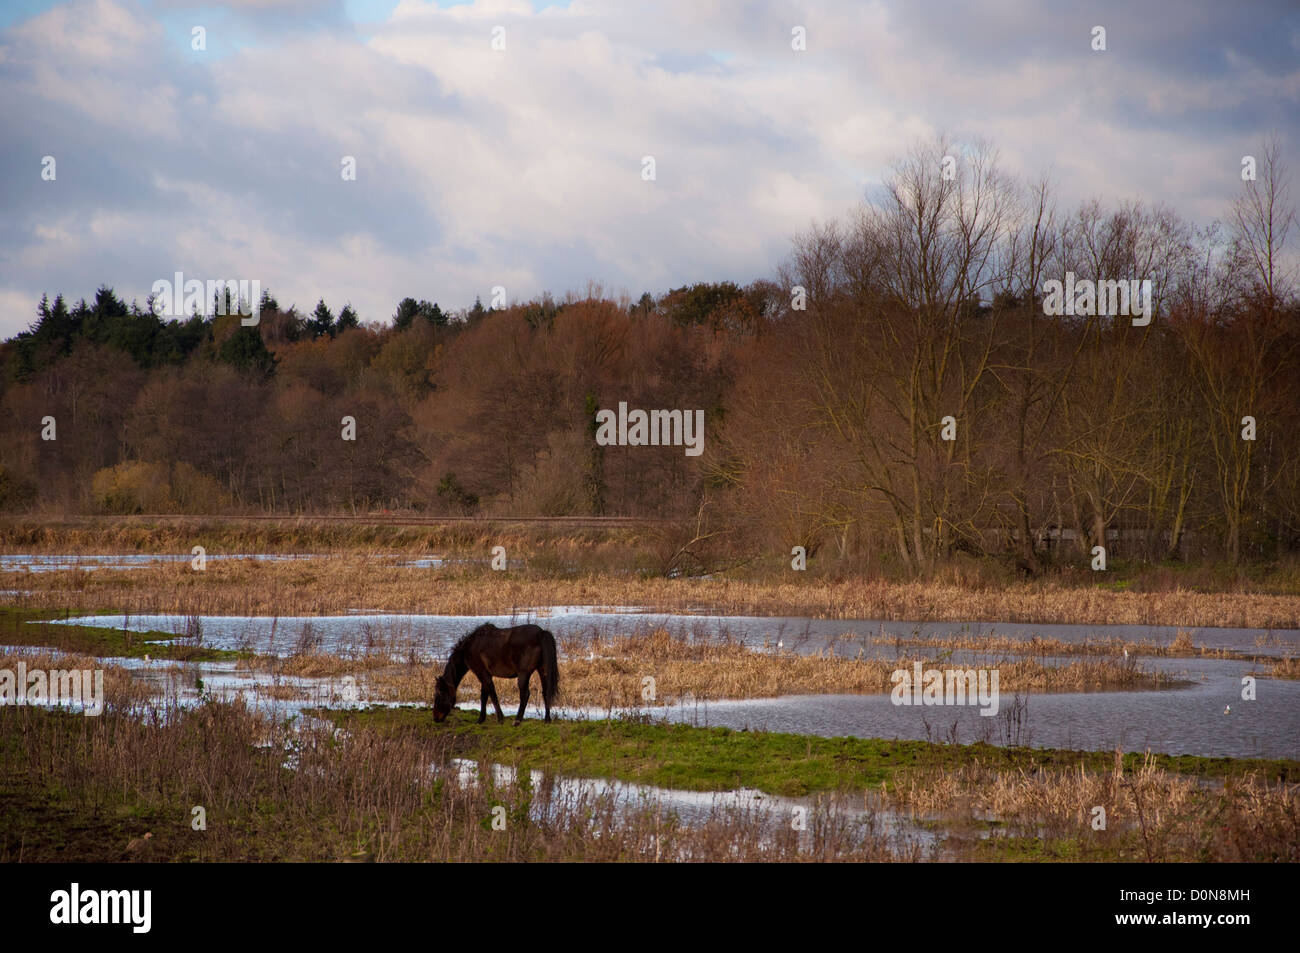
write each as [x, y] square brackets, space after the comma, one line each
[504, 653]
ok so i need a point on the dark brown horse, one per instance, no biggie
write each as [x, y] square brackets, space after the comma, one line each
[503, 653]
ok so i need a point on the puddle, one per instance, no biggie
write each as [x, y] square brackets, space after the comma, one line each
[700, 807]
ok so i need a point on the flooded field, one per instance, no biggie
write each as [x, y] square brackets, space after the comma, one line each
[433, 634]
[328, 696]
[63, 562]
[1178, 721]
[27, 562]
[1208, 717]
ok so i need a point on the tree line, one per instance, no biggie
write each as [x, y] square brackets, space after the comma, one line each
[894, 389]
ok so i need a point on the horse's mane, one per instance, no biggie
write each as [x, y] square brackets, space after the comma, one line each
[456, 660]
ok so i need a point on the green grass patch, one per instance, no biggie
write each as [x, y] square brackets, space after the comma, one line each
[31, 627]
[719, 759]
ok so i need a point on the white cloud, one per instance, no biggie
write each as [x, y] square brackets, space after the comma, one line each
[523, 168]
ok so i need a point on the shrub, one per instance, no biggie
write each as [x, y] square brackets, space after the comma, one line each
[132, 487]
[193, 491]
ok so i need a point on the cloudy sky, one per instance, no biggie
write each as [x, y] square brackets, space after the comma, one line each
[522, 167]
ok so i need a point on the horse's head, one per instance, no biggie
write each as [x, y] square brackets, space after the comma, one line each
[444, 697]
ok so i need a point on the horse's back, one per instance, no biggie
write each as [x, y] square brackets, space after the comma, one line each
[528, 635]
[506, 651]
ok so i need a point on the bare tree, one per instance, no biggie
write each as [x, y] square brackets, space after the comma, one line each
[1261, 220]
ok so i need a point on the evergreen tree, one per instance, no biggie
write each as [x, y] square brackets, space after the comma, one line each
[322, 321]
[246, 350]
[644, 306]
[407, 309]
[347, 319]
[433, 314]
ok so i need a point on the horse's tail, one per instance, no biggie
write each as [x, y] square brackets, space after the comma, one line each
[550, 669]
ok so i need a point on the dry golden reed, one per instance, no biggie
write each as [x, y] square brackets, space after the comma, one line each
[373, 581]
[1181, 646]
[612, 671]
[1164, 816]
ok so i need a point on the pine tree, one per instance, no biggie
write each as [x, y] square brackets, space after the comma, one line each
[347, 319]
[322, 321]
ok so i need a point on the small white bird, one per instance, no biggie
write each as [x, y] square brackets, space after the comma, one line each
[780, 644]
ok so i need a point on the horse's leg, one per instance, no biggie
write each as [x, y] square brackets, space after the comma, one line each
[523, 696]
[482, 700]
[492, 694]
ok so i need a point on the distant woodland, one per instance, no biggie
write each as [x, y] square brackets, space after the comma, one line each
[894, 387]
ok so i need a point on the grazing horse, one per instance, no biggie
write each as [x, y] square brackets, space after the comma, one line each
[504, 653]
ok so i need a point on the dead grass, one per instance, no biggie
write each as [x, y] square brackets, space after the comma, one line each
[352, 580]
[1287, 668]
[1181, 647]
[1162, 815]
[612, 672]
[120, 686]
[78, 788]
[1182, 644]
[72, 790]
